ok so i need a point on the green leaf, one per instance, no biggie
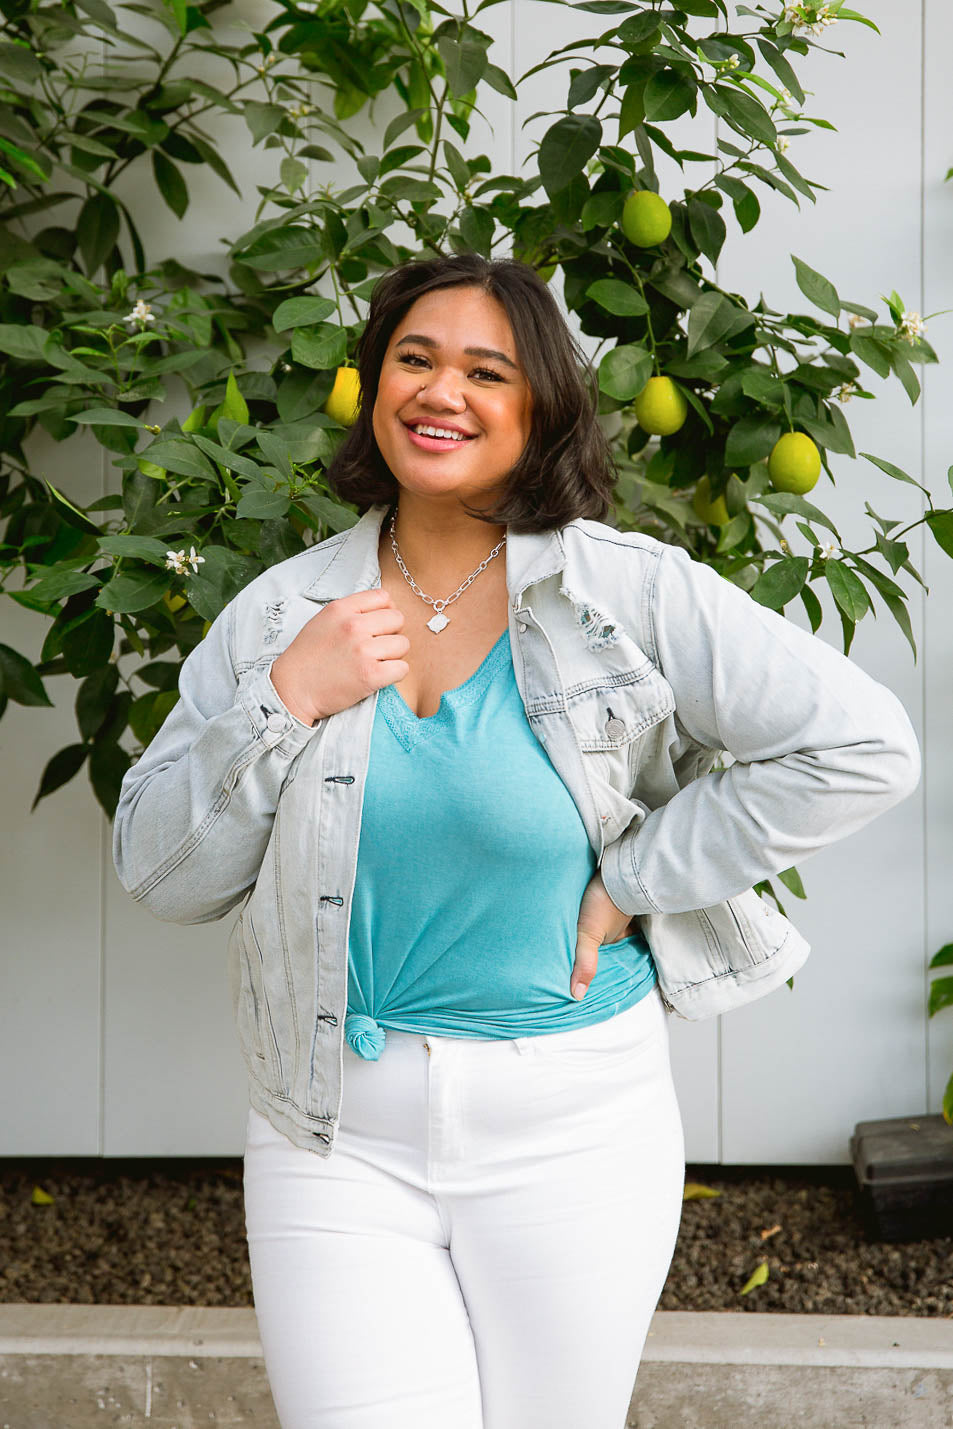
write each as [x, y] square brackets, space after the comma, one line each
[234, 406]
[670, 93]
[301, 312]
[181, 456]
[848, 589]
[464, 61]
[784, 503]
[143, 548]
[106, 417]
[751, 439]
[566, 148]
[943, 958]
[476, 226]
[64, 765]
[132, 591]
[59, 585]
[19, 680]
[108, 763]
[756, 1278]
[817, 288]
[93, 699]
[24, 341]
[617, 297]
[262, 505]
[948, 1103]
[88, 641]
[780, 582]
[170, 183]
[97, 230]
[941, 994]
[624, 371]
[232, 461]
[695, 1191]
[283, 248]
[712, 319]
[321, 347]
[293, 173]
[707, 228]
[499, 80]
[792, 879]
[742, 111]
[262, 119]
[941, 524]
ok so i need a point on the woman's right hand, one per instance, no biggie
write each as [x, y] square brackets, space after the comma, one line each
[351, 648]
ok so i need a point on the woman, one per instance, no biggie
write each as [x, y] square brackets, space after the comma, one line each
[456, 760]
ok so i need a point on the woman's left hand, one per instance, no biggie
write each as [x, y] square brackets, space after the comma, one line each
[600, 921]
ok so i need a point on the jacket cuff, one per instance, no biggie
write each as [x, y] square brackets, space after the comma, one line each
[621, 877]
[271, 719]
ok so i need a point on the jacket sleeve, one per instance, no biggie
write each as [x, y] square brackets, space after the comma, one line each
[196, 810]
[820, 747]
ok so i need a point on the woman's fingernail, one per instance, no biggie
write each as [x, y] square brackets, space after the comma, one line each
[579, 990]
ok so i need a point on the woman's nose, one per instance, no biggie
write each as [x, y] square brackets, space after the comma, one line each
[443, 391]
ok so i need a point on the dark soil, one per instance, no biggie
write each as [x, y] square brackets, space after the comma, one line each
[172, 1233]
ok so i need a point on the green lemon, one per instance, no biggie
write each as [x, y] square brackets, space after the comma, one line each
[646, 219]
[345, 398]
[174, 602]
[715, 513]
[660, 407]
[794, 463]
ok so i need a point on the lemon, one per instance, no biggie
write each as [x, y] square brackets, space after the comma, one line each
[173, 602]
[660, 407]
[794, 463]
[715, 513]
[646, 219]
[345, 398]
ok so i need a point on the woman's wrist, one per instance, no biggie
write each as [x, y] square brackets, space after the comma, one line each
[287, 697]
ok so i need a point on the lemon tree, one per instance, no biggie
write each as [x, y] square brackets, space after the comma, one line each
[104, 334]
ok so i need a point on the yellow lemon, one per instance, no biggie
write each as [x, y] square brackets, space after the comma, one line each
[714, 512]
[794, 463]
[206, 628]
[174, 602]
[345, 398]
[646, 219]
[660, 407]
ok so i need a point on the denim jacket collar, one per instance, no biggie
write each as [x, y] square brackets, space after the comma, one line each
[354, 563]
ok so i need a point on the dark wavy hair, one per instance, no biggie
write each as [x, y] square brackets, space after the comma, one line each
[565, 470]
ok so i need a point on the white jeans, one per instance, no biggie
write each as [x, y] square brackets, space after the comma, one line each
[486, 1244]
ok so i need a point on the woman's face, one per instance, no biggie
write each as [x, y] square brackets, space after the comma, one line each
[451, 364]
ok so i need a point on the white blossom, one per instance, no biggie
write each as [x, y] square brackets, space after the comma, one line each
[141, 313]
[733, 62]
[178, 560]
[826, 551]
[298, 111]
[911, 326]
[845, 391]
[808, 16]
[783, 144]
[855, 320]
[788, 96]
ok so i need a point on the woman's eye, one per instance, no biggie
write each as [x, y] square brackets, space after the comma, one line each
[415, 357]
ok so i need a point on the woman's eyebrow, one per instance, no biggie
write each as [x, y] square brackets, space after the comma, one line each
[470, 351]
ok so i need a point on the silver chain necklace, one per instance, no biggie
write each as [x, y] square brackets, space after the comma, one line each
[438, 621]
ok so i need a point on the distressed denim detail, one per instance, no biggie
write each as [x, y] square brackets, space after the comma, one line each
[598, 630]
[274, 619]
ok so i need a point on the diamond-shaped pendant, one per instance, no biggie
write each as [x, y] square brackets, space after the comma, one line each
[437, 622]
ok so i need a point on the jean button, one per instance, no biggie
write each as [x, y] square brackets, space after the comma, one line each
[276, 723]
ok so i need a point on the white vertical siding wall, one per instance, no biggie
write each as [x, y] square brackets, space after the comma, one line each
[115, 1030]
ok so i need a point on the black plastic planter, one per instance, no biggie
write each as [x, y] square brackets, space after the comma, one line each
[904, 1169]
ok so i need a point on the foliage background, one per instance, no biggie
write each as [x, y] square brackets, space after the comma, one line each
[96, 95]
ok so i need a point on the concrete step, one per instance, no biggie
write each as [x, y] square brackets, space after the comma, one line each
[74, 1366]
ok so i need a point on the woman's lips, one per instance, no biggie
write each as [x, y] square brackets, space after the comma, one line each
[436, 444]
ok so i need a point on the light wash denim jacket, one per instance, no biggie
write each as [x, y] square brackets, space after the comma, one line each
[638, 668]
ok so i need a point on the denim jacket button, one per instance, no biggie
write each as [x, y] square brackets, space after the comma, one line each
[614, 727]
[521, 627]
[275, 722]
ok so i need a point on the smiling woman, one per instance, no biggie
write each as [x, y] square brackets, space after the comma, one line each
[473, 855]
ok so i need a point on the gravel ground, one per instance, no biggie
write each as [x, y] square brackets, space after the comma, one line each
[172, 1233]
